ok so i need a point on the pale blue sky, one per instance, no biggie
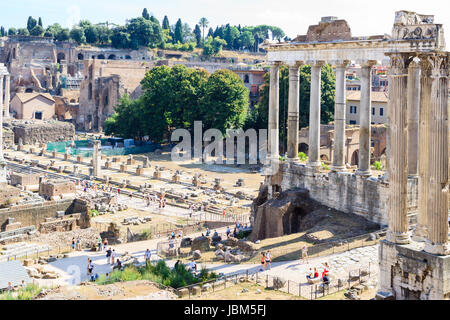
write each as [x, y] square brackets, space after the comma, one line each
[293, 16]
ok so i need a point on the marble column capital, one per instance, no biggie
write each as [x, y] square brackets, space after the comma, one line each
[340, 63]
[316, 63]
[294, 64]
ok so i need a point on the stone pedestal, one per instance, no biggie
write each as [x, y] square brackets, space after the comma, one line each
[176, 178]
[157, 174]
[54, 154]
[108, 165]
[79, 159]
[139, 171]
[409, 273]
[66, 156]
[123, 167]
[131, 162]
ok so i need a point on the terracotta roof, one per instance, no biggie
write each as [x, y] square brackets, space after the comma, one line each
[25, 96]
[354, 95]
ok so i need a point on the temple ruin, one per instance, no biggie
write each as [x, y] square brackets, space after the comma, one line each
[417, 144]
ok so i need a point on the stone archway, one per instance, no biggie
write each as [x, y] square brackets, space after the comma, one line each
[324, 157]
[303, 147]
[112, 57]
[101, 56]
[355, 158]
[60, 56]
[80, 56]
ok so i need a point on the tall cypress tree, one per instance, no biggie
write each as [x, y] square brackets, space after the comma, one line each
[40, 22]
[178, 32]
[198, 35]
[165, 23]
[145, 14]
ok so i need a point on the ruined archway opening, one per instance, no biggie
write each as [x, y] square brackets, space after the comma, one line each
[292, 220]
[355, 158]
[303, 147]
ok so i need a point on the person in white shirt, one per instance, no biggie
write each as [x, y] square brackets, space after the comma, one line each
[148, 255]
[113, 255]
[304, 254]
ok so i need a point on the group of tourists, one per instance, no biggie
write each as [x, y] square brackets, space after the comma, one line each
[314, 274]
[266, 259]
[76, 244]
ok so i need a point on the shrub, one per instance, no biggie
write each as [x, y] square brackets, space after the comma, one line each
[130, 274]
[378, 166]
[302, 156]
[324, 166]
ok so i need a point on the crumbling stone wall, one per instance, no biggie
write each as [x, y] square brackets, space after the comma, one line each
[38, 131]
[348, 192]
[35, 214]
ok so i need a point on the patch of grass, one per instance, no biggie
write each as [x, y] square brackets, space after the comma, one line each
[302, 156]
[159, 273]
[27, 293]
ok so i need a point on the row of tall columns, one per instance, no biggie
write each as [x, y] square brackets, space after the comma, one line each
[314, 115]
[432, 141]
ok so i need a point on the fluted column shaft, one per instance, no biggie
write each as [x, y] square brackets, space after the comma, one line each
[7, 95]
[438, 161]
[398, 162]
[364, 121]
[424, 116]
[339, 119]
[293, 112]
[1, 116]
[413, 117]
[274, 106]
[314, 116]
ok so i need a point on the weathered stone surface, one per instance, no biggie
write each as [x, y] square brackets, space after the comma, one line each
[246, 246]
[278, 283]
[196, 254]
[201, 243]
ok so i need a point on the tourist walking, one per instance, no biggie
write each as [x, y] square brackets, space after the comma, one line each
[148, 255]
[105, 244]
[99, 242]
[263, 262]
[304, 254]
[228, 232]
[108, 255]
[268, 259]
[113, 256]
[73, 243]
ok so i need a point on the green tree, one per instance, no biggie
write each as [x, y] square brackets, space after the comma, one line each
[120, 38]
[31, 23]
[37, 31]
[230, 36]
[144, 33]
[178, 32]
[165, 23]
[2, 31]
[145, 14]
[104, 34]
[198, 35]
[63, 35]
[77, 34]
[225, 103]
[12, 31]
[213, 46]
[53, 30]
[91, 33]
[204, 23]
[246, 40]
[23, 32]
[40, 22]
[210, 33]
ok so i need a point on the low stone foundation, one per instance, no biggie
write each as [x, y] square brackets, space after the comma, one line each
[40, 131]
[409, 273]
[347, 192]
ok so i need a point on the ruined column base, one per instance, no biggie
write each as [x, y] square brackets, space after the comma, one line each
[364, 173]
[338, 168]
[442, 249]
[398, 237]
[409, 273]
[420, 234]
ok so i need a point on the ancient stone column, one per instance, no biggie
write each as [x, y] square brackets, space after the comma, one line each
[424, 116]
[339, 119]
[398, 161]
[96, 159]
[364, 120]
[413, 117]
[293, 112]
[438, 182]
[314, 115]
[2, 160]
[7, 94]
[274, 106]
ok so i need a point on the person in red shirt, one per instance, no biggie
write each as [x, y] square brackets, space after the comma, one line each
[325, 272]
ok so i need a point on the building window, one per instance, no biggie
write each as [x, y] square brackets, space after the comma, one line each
[373, 111]
[353, 109]
[381, 111]
[352, 121]
[90, 91]
[38, 115]
[246, 79]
